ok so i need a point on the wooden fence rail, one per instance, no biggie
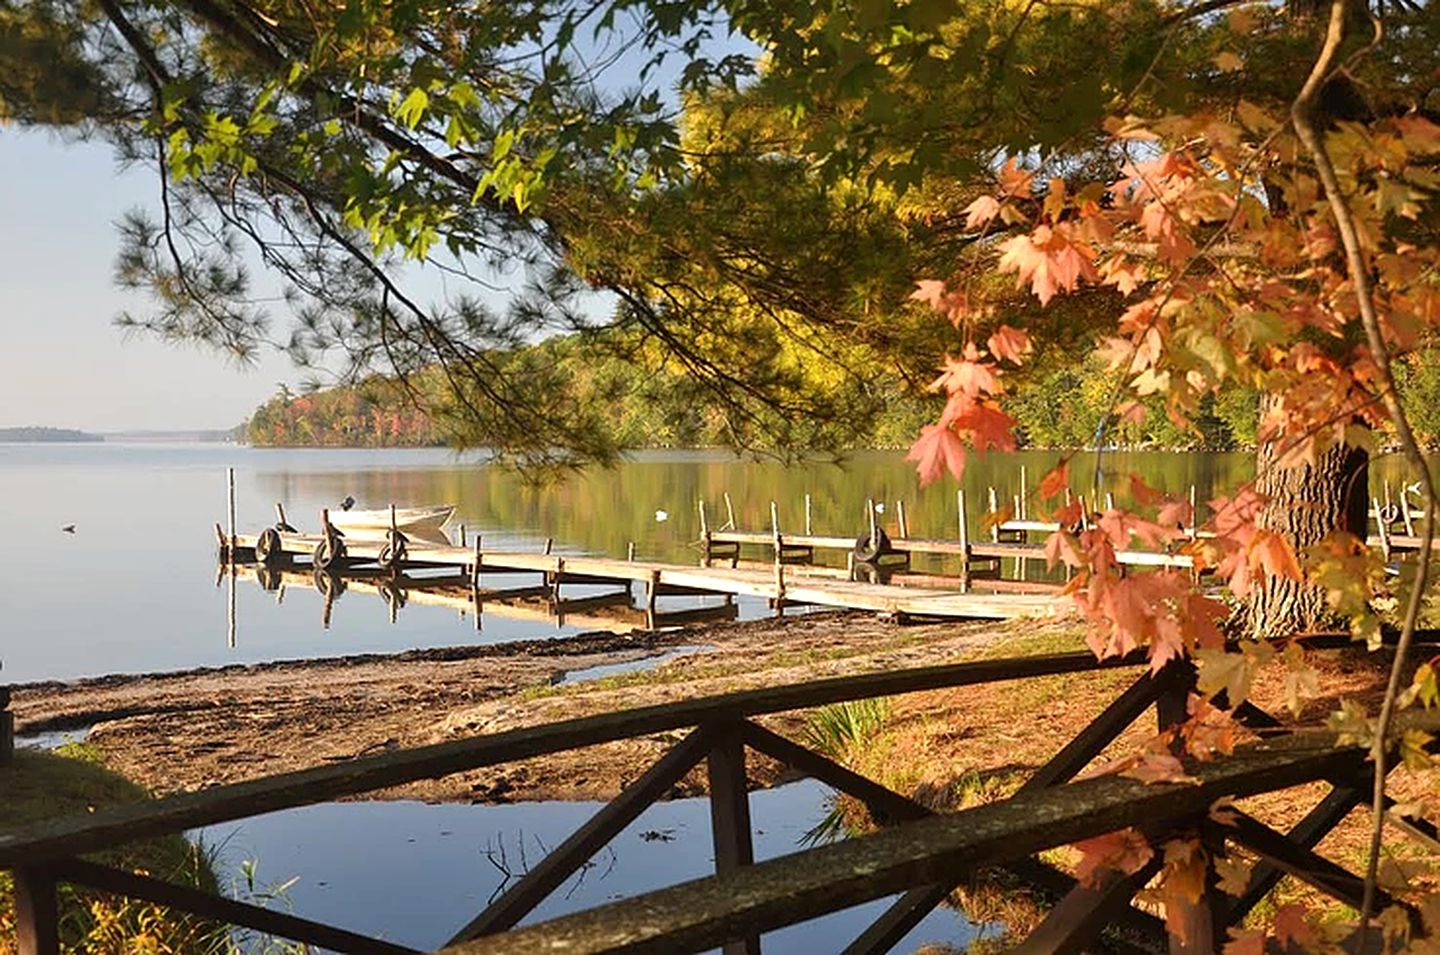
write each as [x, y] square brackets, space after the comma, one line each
[918, 854]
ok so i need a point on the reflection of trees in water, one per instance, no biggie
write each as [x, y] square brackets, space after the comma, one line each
[601, 511]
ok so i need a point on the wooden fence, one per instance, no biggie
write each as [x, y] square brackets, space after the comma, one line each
[918, 855]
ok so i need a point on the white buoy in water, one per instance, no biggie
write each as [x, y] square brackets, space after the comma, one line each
[662, 516]
[879, 507]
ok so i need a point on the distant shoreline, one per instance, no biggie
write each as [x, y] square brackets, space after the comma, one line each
[48, 436]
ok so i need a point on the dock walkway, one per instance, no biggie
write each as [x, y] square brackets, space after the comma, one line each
[783, 584]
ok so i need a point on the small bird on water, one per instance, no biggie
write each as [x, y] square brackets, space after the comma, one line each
[68, 528]
[662, 516]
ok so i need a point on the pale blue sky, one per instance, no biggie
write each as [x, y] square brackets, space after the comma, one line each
[62, 361]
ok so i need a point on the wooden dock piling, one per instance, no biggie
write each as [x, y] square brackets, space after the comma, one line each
[7, 727]
[230, 502]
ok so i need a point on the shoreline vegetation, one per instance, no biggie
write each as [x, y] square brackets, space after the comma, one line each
[37, 434]
[1061, 404]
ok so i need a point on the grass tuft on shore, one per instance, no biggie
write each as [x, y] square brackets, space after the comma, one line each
[73, 780]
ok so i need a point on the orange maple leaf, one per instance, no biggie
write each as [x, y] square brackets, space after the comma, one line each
[1048, 260]
[936, 450]
[1271, 554]
[1055, 480]
[1014, 181]
[1124, 850]
[1009, 344]
[979, 213]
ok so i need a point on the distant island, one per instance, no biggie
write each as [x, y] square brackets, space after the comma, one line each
[55, 435]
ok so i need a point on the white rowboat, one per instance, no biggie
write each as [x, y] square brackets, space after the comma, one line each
[415, 519]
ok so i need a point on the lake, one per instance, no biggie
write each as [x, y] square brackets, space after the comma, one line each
[134, 589]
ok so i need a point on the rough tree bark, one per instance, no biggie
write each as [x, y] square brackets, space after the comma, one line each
[1303, 504]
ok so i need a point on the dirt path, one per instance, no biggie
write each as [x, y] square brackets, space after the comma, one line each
[185, 731]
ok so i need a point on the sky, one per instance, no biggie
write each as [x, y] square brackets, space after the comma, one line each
[63, 363]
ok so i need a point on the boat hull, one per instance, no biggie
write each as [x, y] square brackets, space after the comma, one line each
[406, 519]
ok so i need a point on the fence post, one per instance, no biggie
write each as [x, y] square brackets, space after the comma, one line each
[730, 816]
[7, 727]
[37, 915]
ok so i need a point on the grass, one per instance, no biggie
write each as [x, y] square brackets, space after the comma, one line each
[70, 781]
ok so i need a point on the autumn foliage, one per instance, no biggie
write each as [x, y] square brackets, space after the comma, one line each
[1218, 238]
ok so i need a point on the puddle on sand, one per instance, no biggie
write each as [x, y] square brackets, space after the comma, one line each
[415, 873]
[630, 666]
[50, 740]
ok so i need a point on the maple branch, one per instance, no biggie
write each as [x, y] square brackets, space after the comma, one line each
[1302, 117]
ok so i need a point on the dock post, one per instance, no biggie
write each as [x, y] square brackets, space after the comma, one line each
[1405, 514]
[7, 727]
[652, 590]
[1024, 510]
[729, 512]
[462, 535]
[630, 552]
[1109, 500]
[704, 534]
[779, 543]
[555, 581]
[994, 516]
[1381, 529]
[1194, 514]
[870, 507]
[901, 523]
[809, 529]
[230, 489]
[475, 570]
[280, 522]
[964, 525]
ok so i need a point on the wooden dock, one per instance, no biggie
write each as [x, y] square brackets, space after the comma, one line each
[781, 583]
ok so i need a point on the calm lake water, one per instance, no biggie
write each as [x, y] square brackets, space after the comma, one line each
[133, 589]
[387, 883]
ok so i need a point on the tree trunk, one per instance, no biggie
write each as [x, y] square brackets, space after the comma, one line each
[1303, 505]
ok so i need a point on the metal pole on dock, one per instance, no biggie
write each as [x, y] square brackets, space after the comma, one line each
[729, 512]
[704, 534]
[870, 507]
[809, 529]
[1194, 514]
[964, 527]
[1024, 511]
[994, 522]
[630, 552]
[901, 522]
[230, 495]
[779, 544]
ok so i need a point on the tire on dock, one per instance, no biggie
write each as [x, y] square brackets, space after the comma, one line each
[328, 551]
[868, 551]
[269, 550]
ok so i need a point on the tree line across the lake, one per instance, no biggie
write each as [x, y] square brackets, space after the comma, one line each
[1062, 403]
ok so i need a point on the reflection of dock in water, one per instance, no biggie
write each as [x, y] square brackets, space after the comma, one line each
[616, 611]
